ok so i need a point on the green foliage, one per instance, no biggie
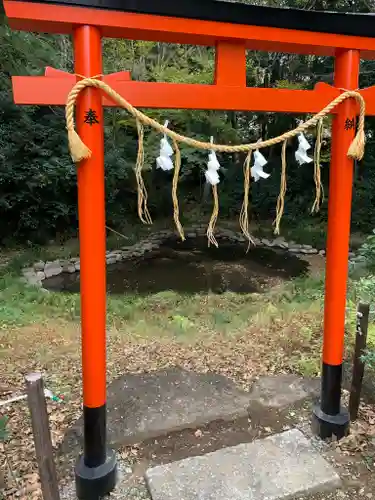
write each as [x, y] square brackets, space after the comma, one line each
[362, 288]
[37, 180]
[305, 289]
[369, 358]
[365, 258]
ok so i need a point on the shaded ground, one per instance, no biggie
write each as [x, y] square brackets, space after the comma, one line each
[237, 343]
[236, 336]
[192, 267]
[353, 458]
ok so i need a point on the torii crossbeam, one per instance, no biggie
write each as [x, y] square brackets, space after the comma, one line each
[232, 28]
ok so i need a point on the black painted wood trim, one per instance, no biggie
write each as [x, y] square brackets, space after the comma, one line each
[236, 13]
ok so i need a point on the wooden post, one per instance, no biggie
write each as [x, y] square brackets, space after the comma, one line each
[363, 312]
[42, 437]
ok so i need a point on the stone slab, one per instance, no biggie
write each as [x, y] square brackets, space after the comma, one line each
[142, 406]
[280, 391]
[278, 467]
[147, 405]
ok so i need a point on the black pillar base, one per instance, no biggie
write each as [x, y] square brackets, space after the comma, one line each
[95, 482]
[326, 426]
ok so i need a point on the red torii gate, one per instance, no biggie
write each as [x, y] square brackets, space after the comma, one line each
[231, 28]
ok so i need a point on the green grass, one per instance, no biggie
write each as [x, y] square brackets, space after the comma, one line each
[309, 232]
[286, 318]
[21, 304]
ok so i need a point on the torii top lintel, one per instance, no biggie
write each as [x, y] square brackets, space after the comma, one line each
[202, 22]
[229, 26]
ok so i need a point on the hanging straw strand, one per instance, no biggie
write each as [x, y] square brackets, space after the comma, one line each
[281, 197]
[213, 220]
[176, 173]
[143, 212]
[244, 214]
[319, 193]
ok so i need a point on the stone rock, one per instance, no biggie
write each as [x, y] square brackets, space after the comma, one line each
[280, 242]
[191, 235]
[33, 278]
[74, 260]
[77, 266]
[309, 251]
[149, 246]
[307, 247]
[52, 269]
[111, 259]
[165, 233]
[294, 249]
[28, 271]
[279, 467]
[322, 253]
[281, 391]
[266, 242]
[39, 266]
[68, 268]
[40, 275]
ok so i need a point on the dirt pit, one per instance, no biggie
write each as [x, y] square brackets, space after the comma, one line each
[191, 267]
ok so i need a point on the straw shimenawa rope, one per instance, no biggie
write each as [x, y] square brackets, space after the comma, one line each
[79, 151]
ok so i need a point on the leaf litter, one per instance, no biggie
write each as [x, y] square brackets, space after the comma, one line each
[53, 349]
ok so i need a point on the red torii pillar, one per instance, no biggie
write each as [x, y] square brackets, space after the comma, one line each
[96, 469]
[331, 419]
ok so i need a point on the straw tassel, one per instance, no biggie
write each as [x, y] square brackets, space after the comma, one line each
[357, 147]
[78, 150]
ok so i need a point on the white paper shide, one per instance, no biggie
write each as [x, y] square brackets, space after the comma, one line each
[164, 160]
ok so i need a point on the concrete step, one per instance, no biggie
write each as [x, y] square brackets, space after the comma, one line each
[275, 468]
